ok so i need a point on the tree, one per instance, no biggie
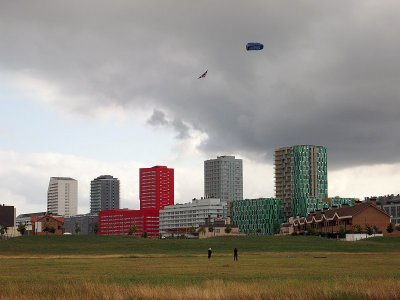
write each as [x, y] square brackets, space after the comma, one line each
[376, 229]
[210, 229]
[277, 227]
[96, 228]
[390, 228]
[3, 230]
[77, 228]
[144, 235]
[202, 230]
[132, 230]
[52, 229]
[258, 231]
[22, 228]
[228, 229]
[192, 230]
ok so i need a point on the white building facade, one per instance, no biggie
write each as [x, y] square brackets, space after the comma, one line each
[194, 214]
[62, 196]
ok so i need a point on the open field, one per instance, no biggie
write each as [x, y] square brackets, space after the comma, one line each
[268, 268]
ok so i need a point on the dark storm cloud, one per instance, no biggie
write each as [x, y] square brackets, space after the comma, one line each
[329, 73]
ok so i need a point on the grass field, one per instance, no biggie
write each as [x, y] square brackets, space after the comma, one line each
[119, 267]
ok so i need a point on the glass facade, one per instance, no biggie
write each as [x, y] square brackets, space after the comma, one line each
[257, 216]
[309, 175]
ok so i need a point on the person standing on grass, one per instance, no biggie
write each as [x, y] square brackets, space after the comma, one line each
[209, 253]
[235, 254]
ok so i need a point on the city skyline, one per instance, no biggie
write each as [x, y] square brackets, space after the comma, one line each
[82, 96]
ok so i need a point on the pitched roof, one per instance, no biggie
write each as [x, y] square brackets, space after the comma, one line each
[341, 213]
[57, 218]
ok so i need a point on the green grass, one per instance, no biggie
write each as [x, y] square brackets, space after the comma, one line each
[120, 267]
[103, 245]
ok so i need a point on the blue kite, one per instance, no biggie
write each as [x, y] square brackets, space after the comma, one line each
[254, 46]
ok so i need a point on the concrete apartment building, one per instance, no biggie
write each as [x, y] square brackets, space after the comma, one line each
[182, 217]
[301, 178]
[104, 193]
[62, 196]
[223, 179]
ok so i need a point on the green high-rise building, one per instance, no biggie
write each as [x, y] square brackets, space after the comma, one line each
[301, 178]
[257, 216]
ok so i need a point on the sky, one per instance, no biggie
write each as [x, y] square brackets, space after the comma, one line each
[106, 87]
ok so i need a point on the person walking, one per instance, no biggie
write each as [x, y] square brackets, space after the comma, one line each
[235, 254]
[209, 253]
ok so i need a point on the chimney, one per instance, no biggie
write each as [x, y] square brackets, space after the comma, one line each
[373, 201]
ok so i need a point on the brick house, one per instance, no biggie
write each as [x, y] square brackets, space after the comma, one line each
[350, 218]
[47, 224]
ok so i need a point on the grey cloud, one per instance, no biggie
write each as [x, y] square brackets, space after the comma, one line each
[181, 128]
[328, 75]
[157, 118]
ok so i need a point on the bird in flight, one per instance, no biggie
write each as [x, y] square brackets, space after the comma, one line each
[203, 75]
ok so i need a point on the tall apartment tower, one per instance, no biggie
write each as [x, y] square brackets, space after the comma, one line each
[223, 179]
[62, 196]
[300, 177]
[104, 193]
[156, 187]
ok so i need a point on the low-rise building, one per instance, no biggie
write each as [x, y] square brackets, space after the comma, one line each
[258, 216]
[26, 218]
[81, 224]
[121, 221]
[47, 224]
[185, 217]
[348, 218]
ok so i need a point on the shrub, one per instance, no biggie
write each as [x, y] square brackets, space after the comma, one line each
[342, 232]
[369, 229]
[390, 228]
[357, 228]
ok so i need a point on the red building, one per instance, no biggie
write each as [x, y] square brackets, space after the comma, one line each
[120, 221]
[156, 190]
[156, 187]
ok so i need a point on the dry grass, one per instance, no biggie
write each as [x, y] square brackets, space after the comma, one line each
[255, 276]
[216, 289]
